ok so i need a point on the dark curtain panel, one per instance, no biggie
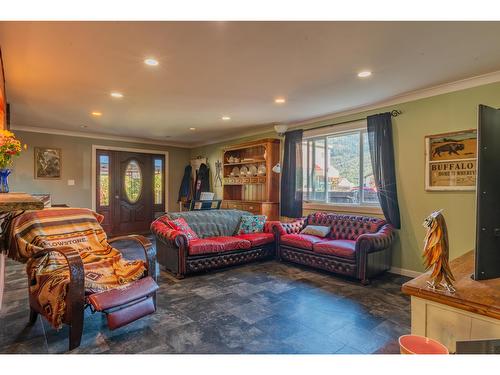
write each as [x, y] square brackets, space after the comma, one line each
[291, 175]
[382, 154]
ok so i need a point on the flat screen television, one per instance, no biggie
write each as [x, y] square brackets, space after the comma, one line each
[487, 252]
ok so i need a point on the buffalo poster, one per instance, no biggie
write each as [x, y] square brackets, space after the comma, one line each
[450, 161]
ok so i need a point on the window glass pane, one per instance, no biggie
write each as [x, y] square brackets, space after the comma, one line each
[133, 181]
[369, 188]
[344, 168]
[158, 181]
[318, 192]
[103, 180]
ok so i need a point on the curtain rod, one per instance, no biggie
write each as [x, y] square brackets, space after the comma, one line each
[394, 113]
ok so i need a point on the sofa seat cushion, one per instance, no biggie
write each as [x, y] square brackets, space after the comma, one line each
[302, 241]
[339, 248]
[257, 239]
[216, 244]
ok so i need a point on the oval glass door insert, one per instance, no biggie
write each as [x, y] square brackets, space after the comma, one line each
[133, 181]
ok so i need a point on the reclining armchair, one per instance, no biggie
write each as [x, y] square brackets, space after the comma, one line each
[72, 266]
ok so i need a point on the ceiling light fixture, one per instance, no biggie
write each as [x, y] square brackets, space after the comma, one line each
[279, 100]
[96, 114]
[115, 94]
[192, 128]
[151, 62]
[364, 74]
[226, 118]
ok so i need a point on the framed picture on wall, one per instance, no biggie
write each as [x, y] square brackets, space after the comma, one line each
[450, 161]
[48, 163]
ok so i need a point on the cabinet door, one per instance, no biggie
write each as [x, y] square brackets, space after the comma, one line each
[485, 329]
[447, 326]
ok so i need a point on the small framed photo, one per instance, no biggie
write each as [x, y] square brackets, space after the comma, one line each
[48, 163]
[451, 161]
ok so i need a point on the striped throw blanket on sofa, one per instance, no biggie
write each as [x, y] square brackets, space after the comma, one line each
[48, 275]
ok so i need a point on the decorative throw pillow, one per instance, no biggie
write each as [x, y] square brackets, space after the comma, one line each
[316, 230]
[251, 224]
[181, 225]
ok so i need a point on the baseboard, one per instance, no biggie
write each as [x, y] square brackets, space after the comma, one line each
[404, 272]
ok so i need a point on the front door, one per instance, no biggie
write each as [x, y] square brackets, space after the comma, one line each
[130, 190]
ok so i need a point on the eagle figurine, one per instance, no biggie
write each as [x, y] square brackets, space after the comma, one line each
[436, 252]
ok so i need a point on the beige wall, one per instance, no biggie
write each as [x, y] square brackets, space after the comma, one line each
[77, 165]
[438, 114]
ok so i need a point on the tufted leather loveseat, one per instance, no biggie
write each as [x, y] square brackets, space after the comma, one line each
[356, 246]
[218, 246]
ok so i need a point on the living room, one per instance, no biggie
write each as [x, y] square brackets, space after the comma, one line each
[261, 187]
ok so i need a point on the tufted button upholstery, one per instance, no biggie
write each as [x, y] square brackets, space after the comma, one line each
[345, 250]
[345, 227]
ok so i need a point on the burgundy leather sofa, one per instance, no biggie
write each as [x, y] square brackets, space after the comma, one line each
[356, 246]
[217, 246]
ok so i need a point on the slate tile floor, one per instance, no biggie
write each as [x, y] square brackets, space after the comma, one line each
[266, 307]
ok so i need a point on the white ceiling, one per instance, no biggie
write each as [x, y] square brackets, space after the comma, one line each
[59, 72]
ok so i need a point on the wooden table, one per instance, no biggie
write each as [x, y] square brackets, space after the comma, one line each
[9, 204]
[472, 312]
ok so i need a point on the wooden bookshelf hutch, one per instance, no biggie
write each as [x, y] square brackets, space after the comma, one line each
[254, 192]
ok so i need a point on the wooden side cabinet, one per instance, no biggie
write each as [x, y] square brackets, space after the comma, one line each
[472, 313]
[449, 325]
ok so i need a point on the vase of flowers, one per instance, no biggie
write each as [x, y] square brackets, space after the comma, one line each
[10, 146]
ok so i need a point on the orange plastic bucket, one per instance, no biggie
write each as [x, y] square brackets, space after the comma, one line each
[413, 344]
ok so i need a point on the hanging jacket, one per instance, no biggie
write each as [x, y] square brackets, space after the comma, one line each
[185, 189]
[202, 183]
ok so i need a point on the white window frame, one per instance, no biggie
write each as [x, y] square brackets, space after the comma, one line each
[335, 130]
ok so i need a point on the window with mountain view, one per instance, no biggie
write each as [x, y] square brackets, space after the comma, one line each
[338, 169]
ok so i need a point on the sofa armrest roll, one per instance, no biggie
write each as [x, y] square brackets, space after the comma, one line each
[377, 241]
[292, 227]
[169, 236]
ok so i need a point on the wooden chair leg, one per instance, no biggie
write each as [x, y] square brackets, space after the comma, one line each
[33, 316]
[76, 330]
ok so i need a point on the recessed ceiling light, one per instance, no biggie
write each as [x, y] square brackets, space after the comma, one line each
[226, 118]
[364, 74]
[116, 94]
[192, 128]
[151, 62]
[96, 114]
[279, 100]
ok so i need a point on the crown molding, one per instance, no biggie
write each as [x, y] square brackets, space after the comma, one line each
[428, 92]
[250, 133]
[410, 96]
[109, 137]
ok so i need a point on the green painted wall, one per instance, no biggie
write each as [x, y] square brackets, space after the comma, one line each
[77, 165]
[437, 114]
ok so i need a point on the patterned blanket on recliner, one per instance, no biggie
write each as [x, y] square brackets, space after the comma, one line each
[80, 229]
